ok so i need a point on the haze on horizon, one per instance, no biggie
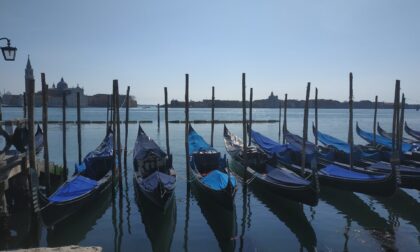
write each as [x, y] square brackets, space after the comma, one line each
[280, 45]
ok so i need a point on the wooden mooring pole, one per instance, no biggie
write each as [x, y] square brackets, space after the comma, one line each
[127, 117]
[64, 103]
[118, 122]
[158, 116]
[350, 136]
[395, 123]
[395, 157]
[305, 129]
[30, 93]
[375, 114]
[1, 115]
[187, 119]
[244, 131]
[250, 114]
[401, 125]
[168, 151]
[79, 130]
[114, 129]
[107, 114]
[279, 121]
[212, 116]
[316, 116]
[285, 118]
[45, 131]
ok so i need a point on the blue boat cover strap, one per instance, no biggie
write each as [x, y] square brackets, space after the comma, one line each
[218, 180]
[79, 168]
[152, 181]
[196, 142]
[73, 188]
[341, 172]
[281, 175]
[266, 144]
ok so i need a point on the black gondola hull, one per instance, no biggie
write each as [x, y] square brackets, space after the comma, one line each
[52, 213]
[384, 187]
[158, 198]
[304, 194]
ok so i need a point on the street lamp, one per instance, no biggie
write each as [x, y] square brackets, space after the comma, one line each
[9, 52]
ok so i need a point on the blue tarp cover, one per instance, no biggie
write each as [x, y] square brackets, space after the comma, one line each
[332, 141]
[285, 176]
[152, 181]
[197, 143]
[384, 141]
[218, 180]
[345, 147]
[268, 145]
[340, 172]
[73, 188]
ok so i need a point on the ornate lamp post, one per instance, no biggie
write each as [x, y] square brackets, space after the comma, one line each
[9, 52]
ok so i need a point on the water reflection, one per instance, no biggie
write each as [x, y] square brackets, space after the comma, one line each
[187, 216]
[222, 221]
[73, 230]
[22, 230]
[402, 205]
[355, 209]
[289, 212]
[159, 225]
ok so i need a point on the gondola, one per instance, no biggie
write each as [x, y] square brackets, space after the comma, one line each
[410, 176]
[411, 152]
[279, 180]
[83, 222]
[411, 132]
[153, 171]
[341, 150]
[330, 173]
[388, 135]
[210, 172]
[92, 178]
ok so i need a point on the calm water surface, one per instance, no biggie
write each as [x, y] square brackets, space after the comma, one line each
[125, 222]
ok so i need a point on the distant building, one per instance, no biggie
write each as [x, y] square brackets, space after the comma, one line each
[11, 100]
[55, 95]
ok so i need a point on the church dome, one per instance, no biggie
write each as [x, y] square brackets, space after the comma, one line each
[62, 84]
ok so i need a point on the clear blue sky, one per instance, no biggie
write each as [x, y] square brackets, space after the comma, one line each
[280, 45]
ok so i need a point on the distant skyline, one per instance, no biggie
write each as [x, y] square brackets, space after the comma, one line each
[280, 45]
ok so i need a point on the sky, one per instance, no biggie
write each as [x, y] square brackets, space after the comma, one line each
[280, 45]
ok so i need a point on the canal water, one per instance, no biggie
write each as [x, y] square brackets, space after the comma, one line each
[260, 221]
